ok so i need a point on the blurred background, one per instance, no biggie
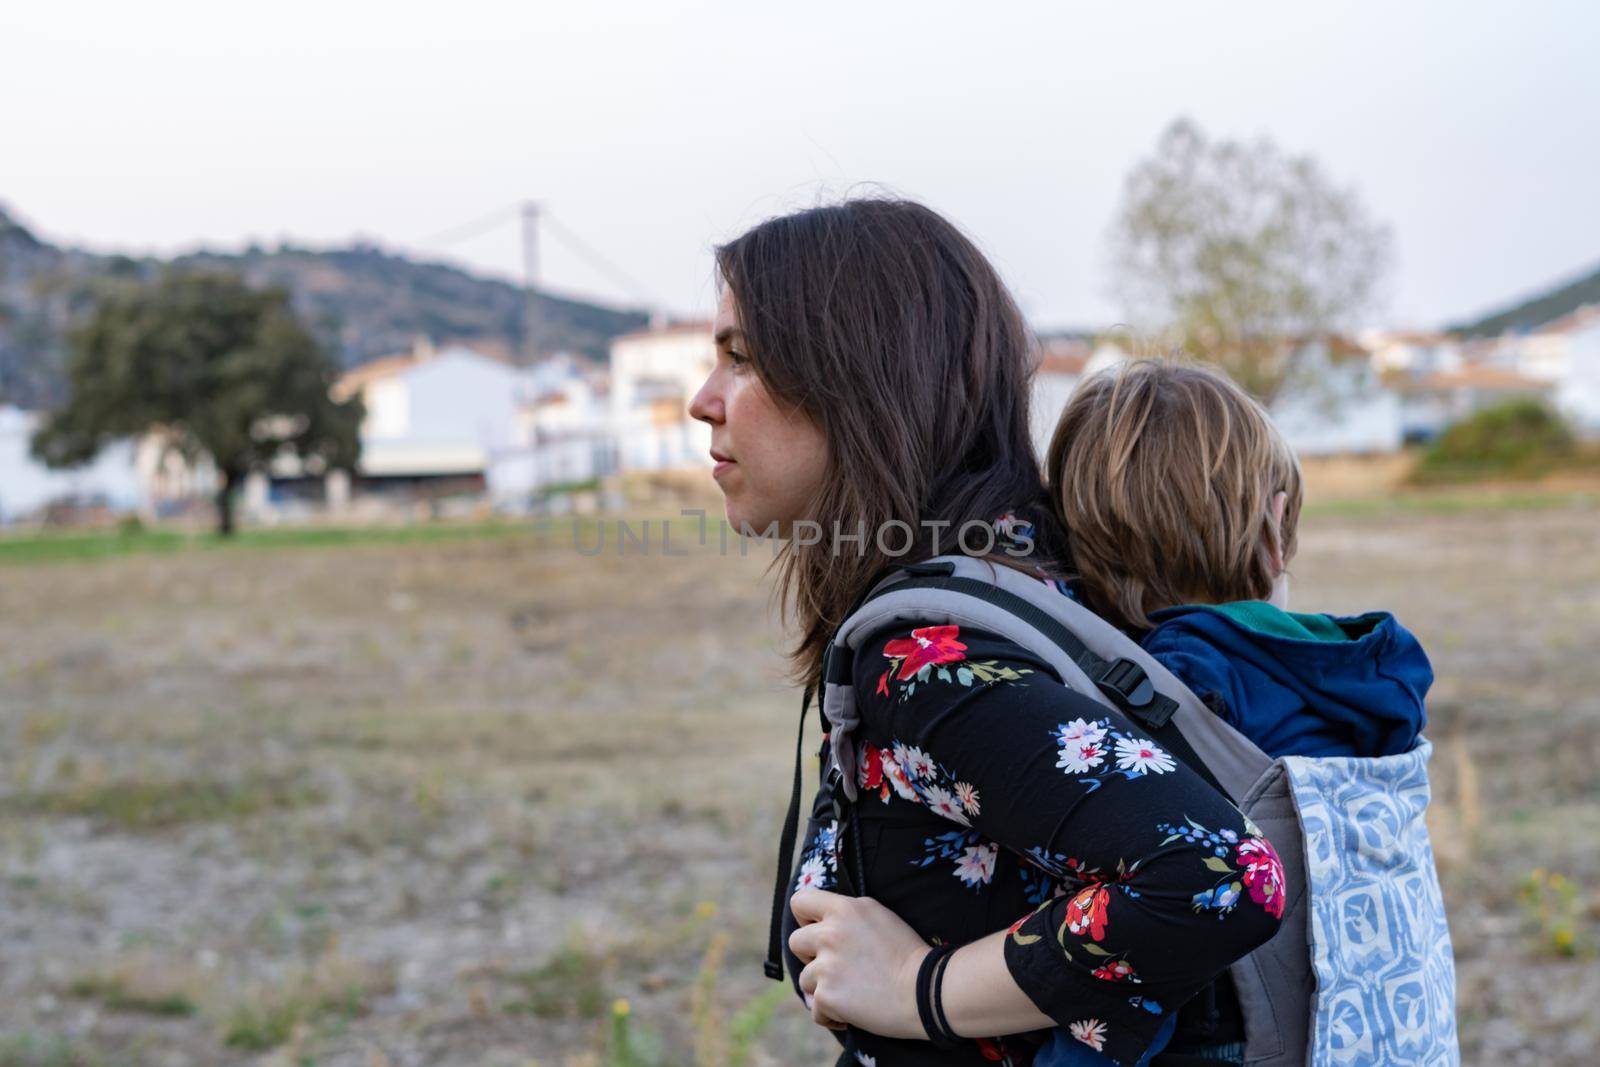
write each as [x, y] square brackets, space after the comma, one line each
[329, 331]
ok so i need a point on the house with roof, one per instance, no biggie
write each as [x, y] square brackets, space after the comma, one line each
[561, 433]
[1434, 402]
[436, 420]
[1551, 337]
[1564, 353]
[654, 374]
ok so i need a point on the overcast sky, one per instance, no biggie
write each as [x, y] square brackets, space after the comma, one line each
[654, 130]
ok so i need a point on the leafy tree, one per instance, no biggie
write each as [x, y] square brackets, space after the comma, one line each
[215, 367]
[1244, 253]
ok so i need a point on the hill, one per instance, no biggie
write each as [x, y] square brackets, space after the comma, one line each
[1536, 310]
[362, 302]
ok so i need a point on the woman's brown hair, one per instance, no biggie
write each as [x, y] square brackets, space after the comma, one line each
[885, 325]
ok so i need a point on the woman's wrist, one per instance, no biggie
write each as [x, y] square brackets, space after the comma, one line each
[906, 993]
[980, 996]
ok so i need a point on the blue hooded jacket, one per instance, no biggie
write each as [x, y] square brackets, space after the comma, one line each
[1301, 685]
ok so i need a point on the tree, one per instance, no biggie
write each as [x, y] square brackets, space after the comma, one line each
[1245, 254]
[215, 367]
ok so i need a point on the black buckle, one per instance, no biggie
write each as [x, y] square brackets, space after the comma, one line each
[835, 787]
[1126, 682]
[838, 665]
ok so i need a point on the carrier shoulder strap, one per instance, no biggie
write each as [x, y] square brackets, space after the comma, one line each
[1088, 654]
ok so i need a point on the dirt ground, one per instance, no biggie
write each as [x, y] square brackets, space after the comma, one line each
[449, 803]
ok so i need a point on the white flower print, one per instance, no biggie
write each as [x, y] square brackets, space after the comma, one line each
[919, 764]
[1082, 756]
[1080, 732]
[942, 803]
[1091, 1032]
[968, 797]
[813, 875]
[976, 865]
[866, 1061]
[1138, 755]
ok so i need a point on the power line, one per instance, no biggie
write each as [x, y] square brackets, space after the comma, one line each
[457, 234]
[598, 261]
[583, 249]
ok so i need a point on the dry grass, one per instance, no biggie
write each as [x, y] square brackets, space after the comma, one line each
[448, 801]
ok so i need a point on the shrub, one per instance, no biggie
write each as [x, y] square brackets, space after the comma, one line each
[1519, 439]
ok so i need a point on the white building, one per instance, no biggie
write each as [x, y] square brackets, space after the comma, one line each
[654, 374]
[1347, 410]
[27, 486]
[562, 431]
[1412, 353]
[436, 422]
[1433, 403]
[1565, 353]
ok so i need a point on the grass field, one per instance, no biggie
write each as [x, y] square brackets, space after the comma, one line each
[446, 796]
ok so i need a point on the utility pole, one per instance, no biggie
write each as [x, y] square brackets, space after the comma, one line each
[530, 278]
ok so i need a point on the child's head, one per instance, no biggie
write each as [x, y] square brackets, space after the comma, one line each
[1175, 488]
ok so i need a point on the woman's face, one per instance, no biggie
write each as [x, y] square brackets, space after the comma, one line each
[770, 459]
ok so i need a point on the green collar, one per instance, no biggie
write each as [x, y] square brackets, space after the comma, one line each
[1262, 617]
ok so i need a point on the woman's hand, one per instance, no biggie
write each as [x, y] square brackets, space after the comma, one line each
[861, 963]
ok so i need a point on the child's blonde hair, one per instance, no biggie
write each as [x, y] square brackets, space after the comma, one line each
[1164, 473]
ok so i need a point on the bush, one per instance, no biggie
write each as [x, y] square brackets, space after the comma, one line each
[1517, 439]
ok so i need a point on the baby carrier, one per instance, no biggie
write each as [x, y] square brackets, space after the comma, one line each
[1361, 969]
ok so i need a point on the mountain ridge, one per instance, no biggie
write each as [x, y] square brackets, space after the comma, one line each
[362, 302]
[1531, 312]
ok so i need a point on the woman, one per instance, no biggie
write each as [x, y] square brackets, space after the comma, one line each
[872, 373]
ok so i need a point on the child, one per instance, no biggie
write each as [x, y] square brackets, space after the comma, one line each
[1181, 502]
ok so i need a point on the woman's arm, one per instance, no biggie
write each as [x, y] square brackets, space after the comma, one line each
[861, 968]
[1163, 883]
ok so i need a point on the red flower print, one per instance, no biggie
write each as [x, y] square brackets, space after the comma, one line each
[883, 684]
[931, 644]
[991, 1049]
[1115, 971]
[869, 775]
[1087, 911]
[1263, 874]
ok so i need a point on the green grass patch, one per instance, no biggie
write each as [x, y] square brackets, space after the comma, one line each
[78, 546]
[144, 806]
[259, 1027]
[33, 1050]
[571, 984]
[266, 1023]
[113, 992]
[594, 535]
[1419, 502]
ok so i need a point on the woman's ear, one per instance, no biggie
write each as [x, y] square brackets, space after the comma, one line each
[1280, 500]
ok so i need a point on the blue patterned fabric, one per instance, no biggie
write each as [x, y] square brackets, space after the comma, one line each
[1380, 944]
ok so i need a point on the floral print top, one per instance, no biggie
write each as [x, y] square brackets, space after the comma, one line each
[992, 798]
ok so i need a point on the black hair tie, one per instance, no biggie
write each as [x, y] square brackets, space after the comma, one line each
[930, 999]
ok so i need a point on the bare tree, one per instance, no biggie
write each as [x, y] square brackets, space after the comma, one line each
[1244, 254]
